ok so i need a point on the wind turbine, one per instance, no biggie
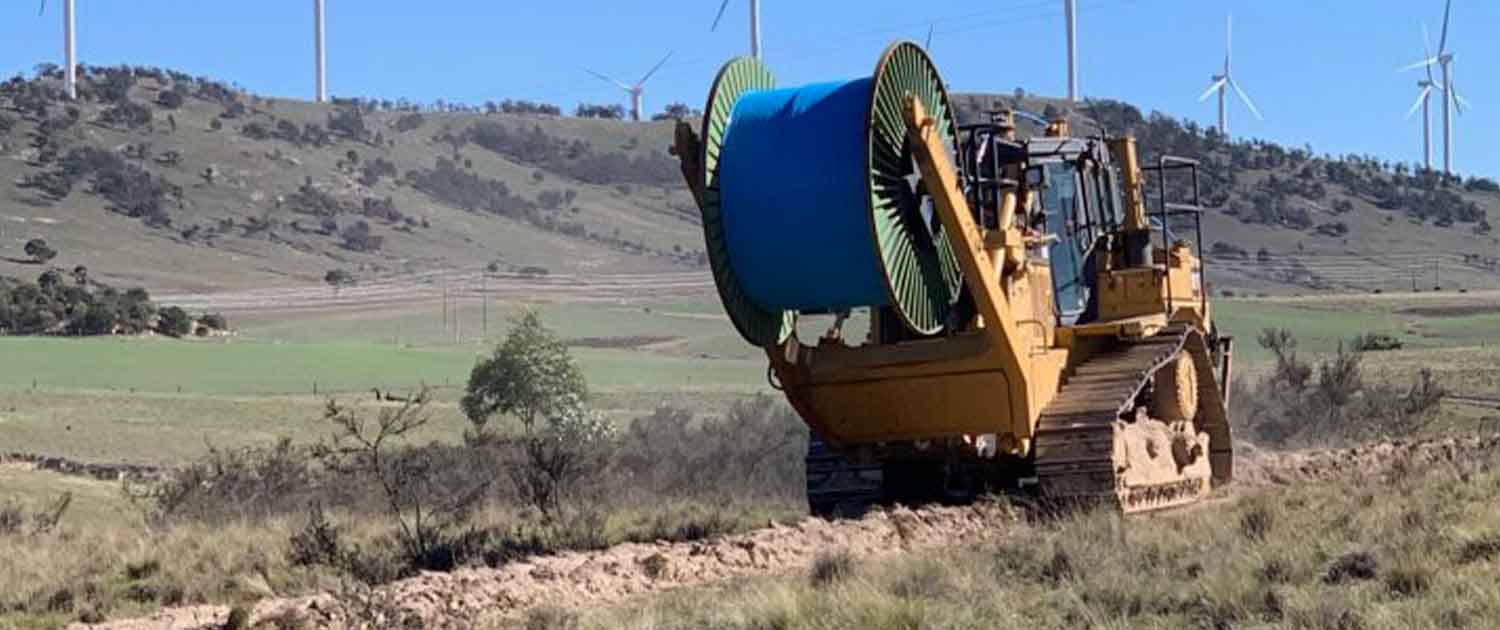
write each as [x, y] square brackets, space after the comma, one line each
[754, 25]
[1451, 99]
[70, 54]
[319, 59]
[1423, 99]
[1223, 82]
[1070, 9]
[636, 90]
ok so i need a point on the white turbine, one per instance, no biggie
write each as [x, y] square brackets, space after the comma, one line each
[1424, 96]
[319, 59]
[636, 90]
[1070, 9]
[70, 54]
[1451, 99]
[754, 25]
[1223, 82]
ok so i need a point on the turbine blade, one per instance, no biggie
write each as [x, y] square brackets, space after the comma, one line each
[607, 79]
[1427, 50]
[658, 66]
[42, 11]
[928, 45]
[1443, 41]
[1421, 97]
[1425, 63]
[718, 17]
[1228, 42]
[1246, 98]
[1209, 92]
[1460, 101]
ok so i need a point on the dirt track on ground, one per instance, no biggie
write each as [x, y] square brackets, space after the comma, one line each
[471, 597]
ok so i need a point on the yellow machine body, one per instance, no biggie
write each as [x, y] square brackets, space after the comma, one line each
[996, 377]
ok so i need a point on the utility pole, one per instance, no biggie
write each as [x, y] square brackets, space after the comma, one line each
[1437, 280]
[445, 308]
[484, 305]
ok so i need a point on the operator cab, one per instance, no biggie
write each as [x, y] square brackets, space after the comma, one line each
[1072, 193]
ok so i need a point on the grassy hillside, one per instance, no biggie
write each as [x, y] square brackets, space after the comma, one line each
[186, 184]
[229, 190]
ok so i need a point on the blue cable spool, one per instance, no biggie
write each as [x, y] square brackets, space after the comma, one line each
[796, 213]
[810, 202]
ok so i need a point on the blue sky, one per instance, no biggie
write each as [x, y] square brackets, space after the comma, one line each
[1322, 71]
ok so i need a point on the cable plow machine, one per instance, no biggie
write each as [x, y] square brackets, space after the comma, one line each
[1029, 324]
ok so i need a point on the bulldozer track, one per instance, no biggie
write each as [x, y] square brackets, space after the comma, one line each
[1079, 452]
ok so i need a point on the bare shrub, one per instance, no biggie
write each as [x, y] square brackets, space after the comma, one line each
[233, 484]
[17, 519]
[1301, 403]
[556, 458]
[754, 451]
[425, 498]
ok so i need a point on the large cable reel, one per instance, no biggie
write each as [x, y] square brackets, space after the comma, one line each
[811, 202]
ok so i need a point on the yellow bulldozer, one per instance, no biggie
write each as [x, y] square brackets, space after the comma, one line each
[1031, 324]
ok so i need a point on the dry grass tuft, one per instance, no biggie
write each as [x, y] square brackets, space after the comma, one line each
[1257, 522]
[1409, 581]
[1482, 549]
[1358, 565]
[830, 567]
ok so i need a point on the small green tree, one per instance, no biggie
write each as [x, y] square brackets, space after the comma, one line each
[338, 279]
[531, 375]
[98, 319]
[172, 321]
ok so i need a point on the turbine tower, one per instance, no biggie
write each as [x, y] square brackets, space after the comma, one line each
[1224, 82]
[636, 90]
[1070, 8]
[754, 25]
[1424, 97]
[1451, 99]
[70, 53]
[319, 59]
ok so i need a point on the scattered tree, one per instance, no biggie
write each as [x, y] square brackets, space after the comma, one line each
[338, 279]
[39, 252]
[172, 321]
[530, 375]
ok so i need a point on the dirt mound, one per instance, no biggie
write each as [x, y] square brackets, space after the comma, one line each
[471, 597]
[1377, 461]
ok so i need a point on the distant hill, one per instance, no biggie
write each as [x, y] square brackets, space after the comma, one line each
[183, 183]
[175, 182]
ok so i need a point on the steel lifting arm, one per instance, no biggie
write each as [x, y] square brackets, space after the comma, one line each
[981, 275]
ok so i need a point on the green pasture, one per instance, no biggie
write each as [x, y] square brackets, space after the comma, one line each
[1321, 324]
[247, 367]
